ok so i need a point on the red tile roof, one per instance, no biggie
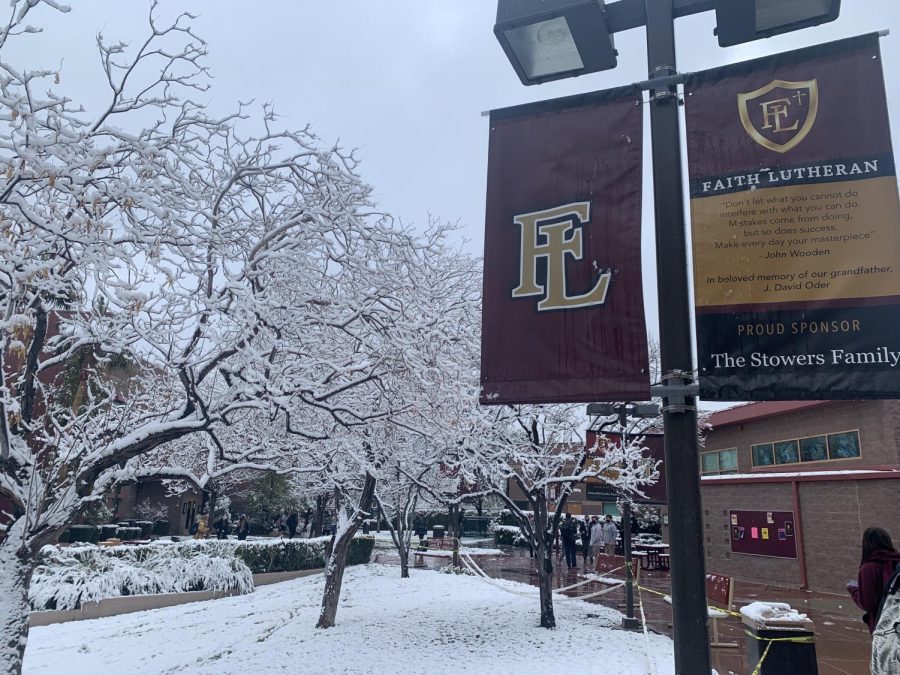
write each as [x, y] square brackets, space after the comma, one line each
[755, 411]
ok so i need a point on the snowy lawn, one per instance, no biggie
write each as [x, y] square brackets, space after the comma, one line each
[431, 622]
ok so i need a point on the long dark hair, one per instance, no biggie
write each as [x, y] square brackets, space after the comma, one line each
[875, 539]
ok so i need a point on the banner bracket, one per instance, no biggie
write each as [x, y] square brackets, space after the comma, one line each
[675, 395]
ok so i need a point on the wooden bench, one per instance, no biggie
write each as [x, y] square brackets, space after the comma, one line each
[719, 597]
[423, 546]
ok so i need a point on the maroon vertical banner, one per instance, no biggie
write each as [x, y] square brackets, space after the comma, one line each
[563, 314]
[796, 226]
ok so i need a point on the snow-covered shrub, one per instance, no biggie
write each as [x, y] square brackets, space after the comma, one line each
[360, 550]
[282, 555]
[647, 516]
[506, 535]
[289, 555]
[506, 518]
[67, 577]
[453, 569]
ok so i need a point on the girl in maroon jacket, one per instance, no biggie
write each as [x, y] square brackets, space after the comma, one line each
[879, 558]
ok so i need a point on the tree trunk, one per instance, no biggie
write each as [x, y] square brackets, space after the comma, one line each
[15, 573]
[455, 533]
[402, 550]
[337, 561]
[545, 563]
[319, 516]
[213, 498]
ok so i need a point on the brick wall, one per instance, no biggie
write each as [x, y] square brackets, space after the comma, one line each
[834, 513]
[717, 501]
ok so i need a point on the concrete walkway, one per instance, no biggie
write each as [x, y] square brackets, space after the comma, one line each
[842, 640]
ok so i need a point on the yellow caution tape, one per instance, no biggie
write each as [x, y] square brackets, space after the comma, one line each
[717, 609]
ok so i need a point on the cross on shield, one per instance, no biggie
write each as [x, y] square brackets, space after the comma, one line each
[779, 115]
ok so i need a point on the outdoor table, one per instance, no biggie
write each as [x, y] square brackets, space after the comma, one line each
[653, 555]
[644, 557]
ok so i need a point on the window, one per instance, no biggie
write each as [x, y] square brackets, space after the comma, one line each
[842, 445]
[813, 449]
[763, 454]
[787, 452]
[718, 462]
[610, 509]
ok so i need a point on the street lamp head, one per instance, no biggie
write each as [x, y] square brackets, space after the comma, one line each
[741, 21]
[602, 409]
[548, 40]
[644, 410]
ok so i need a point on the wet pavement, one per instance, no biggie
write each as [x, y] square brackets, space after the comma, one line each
[842, 640]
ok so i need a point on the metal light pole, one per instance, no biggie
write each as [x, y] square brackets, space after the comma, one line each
[551, 39]
[687, 562]
[622, 411]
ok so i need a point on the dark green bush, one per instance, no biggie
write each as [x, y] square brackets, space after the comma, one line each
[84, 533]
[161, 528]
[291, 555]
[507, 518]
[360, 550]
[129, 533]
[505, 537]
[146, 528]
[109, 531]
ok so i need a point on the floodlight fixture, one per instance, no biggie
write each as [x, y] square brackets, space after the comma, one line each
[740, 21]
[644, 410]
[548, 40]
[602, 409]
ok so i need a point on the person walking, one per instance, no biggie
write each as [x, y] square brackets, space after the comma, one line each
[879, 560]
[567, 535]
[222, 527]
[292, 521]
[243, 528]
[609, 533]
[202, 529]
[596, 535]
[585, 535]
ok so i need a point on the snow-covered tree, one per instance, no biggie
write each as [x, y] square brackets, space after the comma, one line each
[539, 449]
[163, 271]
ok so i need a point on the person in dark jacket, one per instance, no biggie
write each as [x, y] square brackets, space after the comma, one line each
[567, 535]
[879, 559]
[292, 521]
[243, 528]
[222, 527]
[585, 535]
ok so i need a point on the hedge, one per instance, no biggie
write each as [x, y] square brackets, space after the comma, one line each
[65, 577]
[289, 555]
[84, 533]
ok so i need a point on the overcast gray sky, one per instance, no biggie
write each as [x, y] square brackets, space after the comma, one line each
[404, 81]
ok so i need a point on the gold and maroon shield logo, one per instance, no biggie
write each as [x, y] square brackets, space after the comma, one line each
[779, 115]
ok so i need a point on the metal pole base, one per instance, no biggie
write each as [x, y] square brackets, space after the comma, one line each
[630, 623]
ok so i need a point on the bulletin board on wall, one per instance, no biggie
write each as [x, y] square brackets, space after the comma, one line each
[768, 533]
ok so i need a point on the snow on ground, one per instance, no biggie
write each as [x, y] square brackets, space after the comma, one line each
[431, 622]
